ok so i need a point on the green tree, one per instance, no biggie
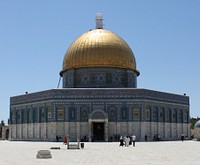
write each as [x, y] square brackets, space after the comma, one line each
[193, 121]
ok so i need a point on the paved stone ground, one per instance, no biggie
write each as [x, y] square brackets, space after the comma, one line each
[145, 153]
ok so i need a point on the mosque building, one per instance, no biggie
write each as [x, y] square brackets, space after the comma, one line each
[99, 100]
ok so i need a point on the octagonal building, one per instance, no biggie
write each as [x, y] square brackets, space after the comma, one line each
[99, 100]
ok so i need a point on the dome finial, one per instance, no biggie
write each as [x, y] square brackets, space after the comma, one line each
[99, 21]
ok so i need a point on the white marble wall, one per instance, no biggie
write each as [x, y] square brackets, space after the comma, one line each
[49, 131]
[84, 129]
[18, 131]
[24, 131]
[36, 131]
[168, 131]
[60, 129]
[112, 128]
[4, 129]
[43, 129]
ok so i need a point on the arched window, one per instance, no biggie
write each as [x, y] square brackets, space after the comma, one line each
[185, 116]
[49, 112]
[84, 114]
[174, 115]
[147, 113]
[180, 115]
[18, 117]
[155, 114]
[35, 114]
[112, 113]
[162, 114]
[72, 114]
[25, 119]
[136, 112]
[124, 112]
[167, 115]
[30, 115]
[60, 112]
[13, 117]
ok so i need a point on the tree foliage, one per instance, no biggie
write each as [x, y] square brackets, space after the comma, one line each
[193, 121]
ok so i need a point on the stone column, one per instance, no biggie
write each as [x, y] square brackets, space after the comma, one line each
[118, 124]
[66, 124]
[189, 130]
[20, 126]
[78, 127]
[9, 135]
[129, 123]
[90, 130]
[106, 130]
[3, 133]
[67, 121]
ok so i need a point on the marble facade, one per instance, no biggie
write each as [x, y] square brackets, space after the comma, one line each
[69, 112]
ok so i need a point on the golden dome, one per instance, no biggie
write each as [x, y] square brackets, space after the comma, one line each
[99, 48]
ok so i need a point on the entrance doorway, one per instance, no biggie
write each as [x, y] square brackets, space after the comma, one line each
[7, 134]
[98, 131]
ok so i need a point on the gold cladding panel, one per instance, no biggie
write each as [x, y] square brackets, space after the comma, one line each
[101, 48]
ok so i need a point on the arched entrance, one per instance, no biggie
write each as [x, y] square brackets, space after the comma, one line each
[98, 126]
[98, 131]
[7, 134]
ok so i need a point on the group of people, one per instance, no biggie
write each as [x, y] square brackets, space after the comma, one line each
[127, 140]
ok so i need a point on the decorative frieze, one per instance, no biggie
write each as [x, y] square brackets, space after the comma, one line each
[100, 93]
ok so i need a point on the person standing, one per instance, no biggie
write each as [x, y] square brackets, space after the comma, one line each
[133, 140]
[145, 138]
[57, 138]
[182, 137]
[121, 141]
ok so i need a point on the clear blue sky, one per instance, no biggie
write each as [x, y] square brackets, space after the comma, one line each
[164, 36]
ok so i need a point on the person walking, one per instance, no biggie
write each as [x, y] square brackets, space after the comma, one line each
[130, 140]
[65, 140]
[133, 140]
[127, 141]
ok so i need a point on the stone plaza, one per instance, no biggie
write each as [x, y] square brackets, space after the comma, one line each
[102, 153]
